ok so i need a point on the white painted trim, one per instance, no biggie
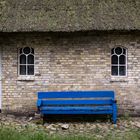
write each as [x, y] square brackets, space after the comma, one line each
[0, 77]
[126, 56]
[26, 62]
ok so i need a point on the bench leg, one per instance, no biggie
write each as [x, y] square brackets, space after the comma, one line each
[114, 116]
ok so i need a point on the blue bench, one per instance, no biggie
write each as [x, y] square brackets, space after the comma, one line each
[78, 102]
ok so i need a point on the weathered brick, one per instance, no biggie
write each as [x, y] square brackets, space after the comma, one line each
[69, 63]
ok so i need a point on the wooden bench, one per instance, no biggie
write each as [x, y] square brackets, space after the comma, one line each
[78, 102]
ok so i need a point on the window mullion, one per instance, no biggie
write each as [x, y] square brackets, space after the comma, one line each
[19, 62]
[118, 65]
[26, 65]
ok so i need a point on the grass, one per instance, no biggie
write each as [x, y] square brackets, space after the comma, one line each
[9, 133]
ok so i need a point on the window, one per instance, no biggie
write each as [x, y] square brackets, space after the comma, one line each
[26, 61]
[118, 61]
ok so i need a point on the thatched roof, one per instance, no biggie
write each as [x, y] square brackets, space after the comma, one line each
[69, 15]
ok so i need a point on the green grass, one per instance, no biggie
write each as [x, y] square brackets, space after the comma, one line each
[8, 133]
[12, 134]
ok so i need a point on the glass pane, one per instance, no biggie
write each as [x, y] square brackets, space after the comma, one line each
[30, 59]
[31, 70]
[32, 50]
[122, 70]
[23, 70]
[114, 59]
[114, 70]
[122, 59]
[23, 59]
[124, 51]
[112, 51]
[26, 50]
[118, 50]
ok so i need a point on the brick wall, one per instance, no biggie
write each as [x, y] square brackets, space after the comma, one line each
[69, 62]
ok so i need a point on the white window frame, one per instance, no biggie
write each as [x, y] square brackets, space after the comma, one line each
[0, 78]
[26, 62]
[118, 65]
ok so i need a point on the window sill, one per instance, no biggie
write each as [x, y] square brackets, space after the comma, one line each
[26, 78]
[119, 79]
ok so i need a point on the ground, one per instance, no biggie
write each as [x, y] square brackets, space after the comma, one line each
[126, 128]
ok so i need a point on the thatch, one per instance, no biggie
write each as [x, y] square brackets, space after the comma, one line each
[69, 15]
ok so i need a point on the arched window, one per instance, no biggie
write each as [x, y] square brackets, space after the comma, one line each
[26, 61]
[119, 61]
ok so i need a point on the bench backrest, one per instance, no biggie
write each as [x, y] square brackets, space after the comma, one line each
[76, 94]
[100, 97]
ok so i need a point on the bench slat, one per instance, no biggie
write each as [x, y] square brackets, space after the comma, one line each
[76, 102]
[75, 112]
[76, 94]
[74, 108]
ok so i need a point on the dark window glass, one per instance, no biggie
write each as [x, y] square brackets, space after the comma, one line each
[31, 70]
[118, 50]
[122, 59]
[22, 69]
[122, 70]
[23, 59]
[30, 59]
[114, 59]
[114, 70]
[26, 50]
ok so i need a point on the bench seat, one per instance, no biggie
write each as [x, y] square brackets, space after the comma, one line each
[77, 110]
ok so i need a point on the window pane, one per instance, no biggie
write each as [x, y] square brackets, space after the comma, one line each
[122, 59]
[114, 70]
[23, 59]
[31, 70]
[118, 50]
[26, 50]
[30, 59]
[23, 70]
[114, 59]
[122, 71]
